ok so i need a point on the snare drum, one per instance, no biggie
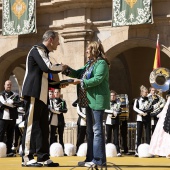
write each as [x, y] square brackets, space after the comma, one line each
[123, 98]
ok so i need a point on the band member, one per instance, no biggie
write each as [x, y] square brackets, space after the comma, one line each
[112, 121]
[53, 118]
[81, 124]
[158, 103]
[35, 93]
[8, 115]
[143, 107]
[60, 105]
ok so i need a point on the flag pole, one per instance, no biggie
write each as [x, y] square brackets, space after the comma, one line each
[157, 62]
[157, 38]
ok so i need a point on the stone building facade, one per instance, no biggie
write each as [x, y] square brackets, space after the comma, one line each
[130, 49]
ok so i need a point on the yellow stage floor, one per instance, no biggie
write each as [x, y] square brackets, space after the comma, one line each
[69, 163]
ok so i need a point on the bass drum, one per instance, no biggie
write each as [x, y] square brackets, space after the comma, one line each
[124, 104]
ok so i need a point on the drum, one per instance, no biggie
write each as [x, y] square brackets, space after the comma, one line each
[21, 127]
[123, 98]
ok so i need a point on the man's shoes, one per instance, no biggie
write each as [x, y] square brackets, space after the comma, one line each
[81, 163]
[52, 164]
[65, 154]
[119, 155]
[49, 163]
[31, 163]
[90, 164]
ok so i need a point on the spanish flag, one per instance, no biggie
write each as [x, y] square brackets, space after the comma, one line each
[157, 62]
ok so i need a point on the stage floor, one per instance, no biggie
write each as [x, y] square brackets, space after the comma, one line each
[70, 162]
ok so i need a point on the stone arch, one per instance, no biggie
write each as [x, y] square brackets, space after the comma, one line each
[9, 61]
[13, 63]
[132, 43]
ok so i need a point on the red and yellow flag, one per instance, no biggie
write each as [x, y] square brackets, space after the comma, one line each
[157, 61]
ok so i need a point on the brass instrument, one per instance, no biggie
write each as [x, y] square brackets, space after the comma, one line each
[116, 108]
[124, 104]
[146, 106]
[160, 79]
[158, 106]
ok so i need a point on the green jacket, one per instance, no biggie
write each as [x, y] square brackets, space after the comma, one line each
[97, 87]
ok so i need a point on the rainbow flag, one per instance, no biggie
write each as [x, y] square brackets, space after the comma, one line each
[157, 61]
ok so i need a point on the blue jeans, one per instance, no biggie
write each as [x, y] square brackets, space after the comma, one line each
[95, 137]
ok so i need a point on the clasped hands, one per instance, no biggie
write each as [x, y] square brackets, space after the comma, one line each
[76, 81]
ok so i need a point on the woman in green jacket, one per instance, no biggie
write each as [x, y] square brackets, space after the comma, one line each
[93, 82]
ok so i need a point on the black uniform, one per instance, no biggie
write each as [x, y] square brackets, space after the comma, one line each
[61, 121]
[112, 123]
[143, 105]
[35, 92]
[8, 116]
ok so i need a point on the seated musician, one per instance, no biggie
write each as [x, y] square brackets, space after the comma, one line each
[112, 121]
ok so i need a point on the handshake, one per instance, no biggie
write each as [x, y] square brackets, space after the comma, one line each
[142, 114]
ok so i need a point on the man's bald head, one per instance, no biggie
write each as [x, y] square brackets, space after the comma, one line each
[8, 85]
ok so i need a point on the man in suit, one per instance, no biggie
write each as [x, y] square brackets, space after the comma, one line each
[35, 93]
